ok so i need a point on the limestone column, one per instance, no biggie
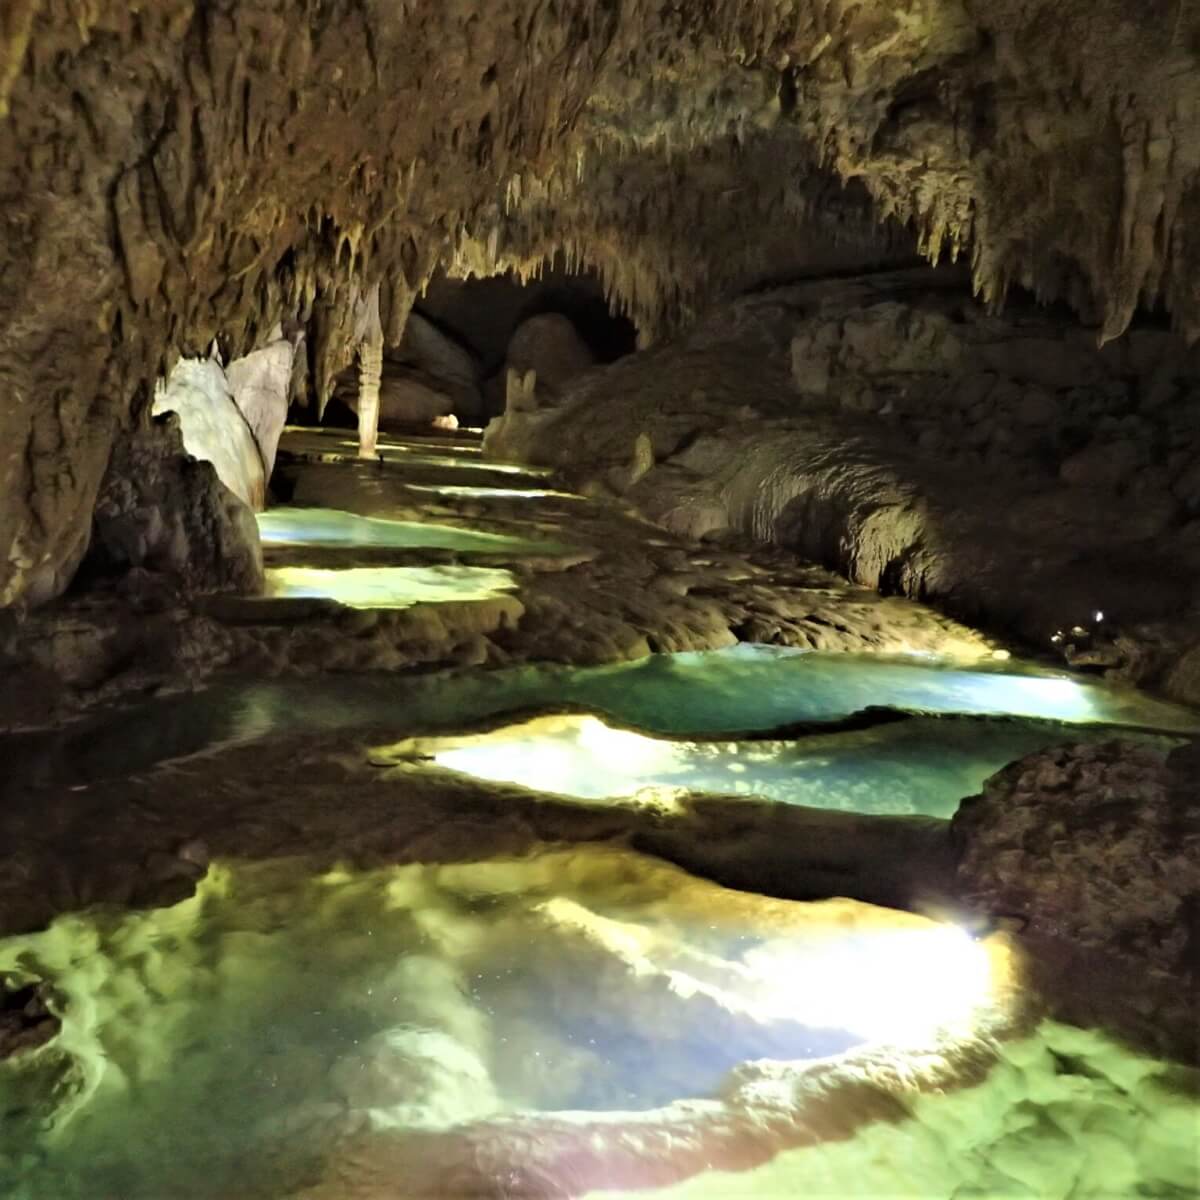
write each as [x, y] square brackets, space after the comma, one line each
[368, 338]
[370, 374]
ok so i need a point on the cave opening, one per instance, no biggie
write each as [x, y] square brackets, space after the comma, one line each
[463, 337]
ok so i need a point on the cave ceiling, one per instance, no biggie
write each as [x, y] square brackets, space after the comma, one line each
[177, 172]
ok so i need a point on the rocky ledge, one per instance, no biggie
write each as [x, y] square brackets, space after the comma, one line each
[1003, 468]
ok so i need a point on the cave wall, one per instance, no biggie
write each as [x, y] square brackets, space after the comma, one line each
[1002, 466]
[180, 172]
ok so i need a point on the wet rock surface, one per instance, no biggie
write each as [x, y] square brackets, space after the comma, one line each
[1001, 467]
[607, 588]
[26, 1019]
[1095, 852]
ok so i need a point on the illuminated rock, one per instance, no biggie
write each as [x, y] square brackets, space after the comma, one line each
[683, 155]
[165, 511]
[214, 429]
[880, 426]
[259, 384]
[416, 1077]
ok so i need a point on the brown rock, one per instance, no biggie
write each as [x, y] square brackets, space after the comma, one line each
[165, 511]
[1096, 851]
[1106, 465]
[550, 346]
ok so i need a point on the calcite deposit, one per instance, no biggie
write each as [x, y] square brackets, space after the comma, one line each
[181, 173]
[838, 362]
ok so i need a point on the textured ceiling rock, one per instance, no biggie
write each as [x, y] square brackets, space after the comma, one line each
[178, 172]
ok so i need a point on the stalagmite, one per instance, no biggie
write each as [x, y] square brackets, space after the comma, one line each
[370, 334]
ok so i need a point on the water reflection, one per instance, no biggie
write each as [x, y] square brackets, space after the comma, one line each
[742, 690]
[288, 526]
[222, 1047]
[917, 766]
[388, 587]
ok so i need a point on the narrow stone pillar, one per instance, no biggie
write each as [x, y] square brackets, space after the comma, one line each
[370, 374]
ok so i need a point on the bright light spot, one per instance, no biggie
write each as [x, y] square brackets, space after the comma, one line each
[572, 755]
[388, 587]
[1030, 696]
[1001, 655]
[488, 492]
[332, 527]
[1099, 616]
[906, 987]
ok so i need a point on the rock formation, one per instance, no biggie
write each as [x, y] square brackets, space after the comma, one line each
[272, 159]
[260, 385]
[1094, 851]
[1001, 466]
[169, 513]
[428, 375]
[214, 428]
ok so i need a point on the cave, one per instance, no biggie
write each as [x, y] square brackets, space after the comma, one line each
[599, 599]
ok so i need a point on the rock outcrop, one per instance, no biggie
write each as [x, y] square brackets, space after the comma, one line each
[1095, 852]
[214, 428]
[260, 385]
[550, 347]
[890, 428]
[164, 511]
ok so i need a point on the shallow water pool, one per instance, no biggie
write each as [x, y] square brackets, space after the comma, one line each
[917, 766]
[388, 587]
[287, 526]
[748, 689]
[226, 1046]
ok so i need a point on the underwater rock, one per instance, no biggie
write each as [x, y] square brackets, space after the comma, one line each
[27, 1020]
[416, 1078]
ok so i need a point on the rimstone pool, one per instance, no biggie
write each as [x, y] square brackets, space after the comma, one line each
[421, 934]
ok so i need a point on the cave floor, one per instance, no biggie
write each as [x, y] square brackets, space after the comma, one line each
[442, 887]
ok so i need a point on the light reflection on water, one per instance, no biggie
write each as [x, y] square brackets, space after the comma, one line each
[388, 587]
[287, 526]
[689, 695]
[218, 1048]
[920, 766]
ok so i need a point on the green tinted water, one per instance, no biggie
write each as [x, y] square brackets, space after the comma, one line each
[329, 527]
[742, 690]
